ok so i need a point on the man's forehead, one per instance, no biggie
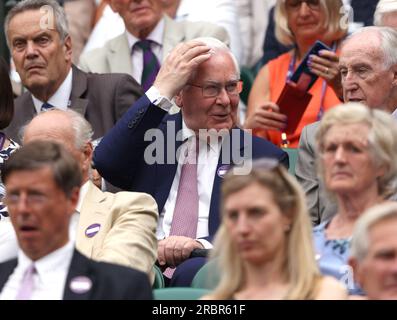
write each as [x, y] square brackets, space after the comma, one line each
[33, 20]
[43, 171]
[355, 54]
[218, 66]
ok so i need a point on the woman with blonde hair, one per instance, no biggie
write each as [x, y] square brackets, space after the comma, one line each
[298, 23]
[264, 245]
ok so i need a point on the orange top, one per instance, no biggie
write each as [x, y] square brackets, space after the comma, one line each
[278, 69]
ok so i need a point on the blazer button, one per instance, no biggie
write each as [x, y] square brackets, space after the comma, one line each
[141, 111]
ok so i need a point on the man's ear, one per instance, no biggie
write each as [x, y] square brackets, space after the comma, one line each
[87, 152]
[394, 70]
[67, 47]
[179, 99]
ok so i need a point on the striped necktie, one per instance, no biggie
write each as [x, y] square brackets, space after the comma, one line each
[151, 65]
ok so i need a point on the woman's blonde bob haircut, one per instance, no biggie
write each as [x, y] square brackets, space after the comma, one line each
[335, 21]
[300, 267]
[382, 139]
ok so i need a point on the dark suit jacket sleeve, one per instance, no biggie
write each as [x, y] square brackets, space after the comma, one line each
[120, 152]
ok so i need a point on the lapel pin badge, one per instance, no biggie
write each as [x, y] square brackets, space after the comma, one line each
[222, 170]
[80, 284]
[92, 230]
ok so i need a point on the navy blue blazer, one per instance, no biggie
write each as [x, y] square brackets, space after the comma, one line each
[119, 157]
[109, 281]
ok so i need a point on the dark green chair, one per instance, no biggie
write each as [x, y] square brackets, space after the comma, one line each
[182, 293]
[248, 79]
[207, 277]
[293, 157]
[158, 278]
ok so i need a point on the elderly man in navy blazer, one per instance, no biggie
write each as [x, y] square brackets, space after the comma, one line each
[43, 181]
[143, 151]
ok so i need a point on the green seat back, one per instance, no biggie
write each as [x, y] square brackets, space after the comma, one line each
[182, 293]
[158, 278]
[207, 277]
[248, 79]
[293, 157]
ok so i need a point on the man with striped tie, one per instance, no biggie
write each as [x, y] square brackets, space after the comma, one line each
[150, 35]
[204, 78]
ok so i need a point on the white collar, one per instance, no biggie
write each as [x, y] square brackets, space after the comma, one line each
[48, 263]
[60, 99]
[394, 114]
[82, 194]
[156, 35]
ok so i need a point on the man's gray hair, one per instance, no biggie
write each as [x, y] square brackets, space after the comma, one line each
[388, 39]
[83, 131]
[218, 46]
[360, 239]
[82, 128]
[383, 7]
[60, 19]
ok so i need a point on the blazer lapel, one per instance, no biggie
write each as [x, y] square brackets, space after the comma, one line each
[173, 34]
[223, 165]
[80, 281]
[165, 173]
[78, 100]
[28, 111]
[92, 213]
[119, 55]
[6, 270]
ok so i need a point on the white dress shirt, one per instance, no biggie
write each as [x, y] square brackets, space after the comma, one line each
[207, 162]
[61, 98]
[49, 279]
[394, 114]
[206, 167]
[137, 56]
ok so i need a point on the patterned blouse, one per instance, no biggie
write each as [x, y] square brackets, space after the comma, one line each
[332, 256]
[4, 155]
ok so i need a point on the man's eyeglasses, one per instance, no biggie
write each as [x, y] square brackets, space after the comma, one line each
[211, 90]
[296, 4]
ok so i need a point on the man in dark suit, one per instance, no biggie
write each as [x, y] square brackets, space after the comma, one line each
[42, 51]
[43, 181]
[203, 76]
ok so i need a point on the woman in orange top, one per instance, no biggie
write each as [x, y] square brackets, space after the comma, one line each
[298, 23]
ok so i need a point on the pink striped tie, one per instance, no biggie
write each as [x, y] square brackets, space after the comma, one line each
[185, 218]
[27, 285]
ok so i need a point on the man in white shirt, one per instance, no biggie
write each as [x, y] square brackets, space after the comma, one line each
[43, 183]
[203, 76]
